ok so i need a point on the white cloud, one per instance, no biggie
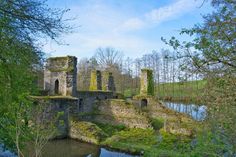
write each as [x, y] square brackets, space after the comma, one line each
[159, 15]
[132, 24]
[103, 25]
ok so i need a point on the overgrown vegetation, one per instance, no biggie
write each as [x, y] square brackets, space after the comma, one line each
[22, 24]
[212, 53]
[157, 123]
[110, 129]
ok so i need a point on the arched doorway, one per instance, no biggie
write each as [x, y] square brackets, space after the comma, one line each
[56, 87]
[144, 103]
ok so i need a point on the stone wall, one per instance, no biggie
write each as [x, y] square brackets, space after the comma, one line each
[87, 99]
[59, 108]
[118, 111]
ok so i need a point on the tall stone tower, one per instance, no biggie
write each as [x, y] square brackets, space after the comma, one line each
[147, 83]
[108, 83]
[96, 80]
[60, 76]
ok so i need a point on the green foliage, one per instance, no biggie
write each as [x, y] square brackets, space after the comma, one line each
[150, 83]
[22, 23]
[133, 140]
[212, 53]
[110, 129]
[157, 123]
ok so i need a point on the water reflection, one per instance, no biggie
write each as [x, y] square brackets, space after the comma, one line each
[72, 148]
[197, 112]
[5, 153]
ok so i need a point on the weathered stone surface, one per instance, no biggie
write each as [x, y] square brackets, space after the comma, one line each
[117, 111]
[60, 76]
[147, 83]
[174, 122]
[108, 83]
[86, 131]
[96, 80]
[56, 110]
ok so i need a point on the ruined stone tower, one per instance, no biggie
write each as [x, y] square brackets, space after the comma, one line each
[95, 80]
[147, 83]
[60, 76]
[108, 83]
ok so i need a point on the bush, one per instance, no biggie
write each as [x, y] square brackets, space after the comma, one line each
[157, 123]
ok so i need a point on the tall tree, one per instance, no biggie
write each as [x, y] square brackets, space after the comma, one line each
[212, 53]
[22, 24]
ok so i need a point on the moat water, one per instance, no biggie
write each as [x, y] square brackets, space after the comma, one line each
[197, 112]
[70, 148]
[73, 148]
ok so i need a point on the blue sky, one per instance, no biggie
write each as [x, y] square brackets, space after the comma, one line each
[134, 27]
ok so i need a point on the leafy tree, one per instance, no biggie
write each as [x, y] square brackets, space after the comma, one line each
[213, 53]
[22, 24]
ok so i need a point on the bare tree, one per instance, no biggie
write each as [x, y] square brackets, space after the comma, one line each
[108, 57]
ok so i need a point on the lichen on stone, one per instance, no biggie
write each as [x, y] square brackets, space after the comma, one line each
[86, 131]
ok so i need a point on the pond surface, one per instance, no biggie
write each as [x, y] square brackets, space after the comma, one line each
[72, 148]
[5, 153]
[197, 112]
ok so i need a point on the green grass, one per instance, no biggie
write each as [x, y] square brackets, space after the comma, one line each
[181, 91]
[149, 142]
[132, 140]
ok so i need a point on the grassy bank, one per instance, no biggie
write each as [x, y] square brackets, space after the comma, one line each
[190, 91]
[146, 142]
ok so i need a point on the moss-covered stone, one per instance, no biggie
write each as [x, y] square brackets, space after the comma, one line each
[87, 132]
[55, 97]
[95, 80]
[147, 82]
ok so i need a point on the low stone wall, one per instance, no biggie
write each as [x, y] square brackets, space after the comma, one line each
[175, 122]
[118, 111]
[86, 101]
[86, 131]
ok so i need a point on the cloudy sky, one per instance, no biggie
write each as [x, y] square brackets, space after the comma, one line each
[134, 27]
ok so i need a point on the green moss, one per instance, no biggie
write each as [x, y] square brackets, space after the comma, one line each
[157, 123]
[61, 61]
[94, 80]
[87, 131]
[133, 140]
[147, 89]
[110, 129]
[150, 90]
[105, 79]
[54, 97]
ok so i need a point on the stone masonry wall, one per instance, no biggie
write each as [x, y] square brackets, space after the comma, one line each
[118, 111]
[147, 82]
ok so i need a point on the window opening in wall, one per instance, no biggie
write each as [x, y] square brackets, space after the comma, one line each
[143, 103]
[56, 87]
